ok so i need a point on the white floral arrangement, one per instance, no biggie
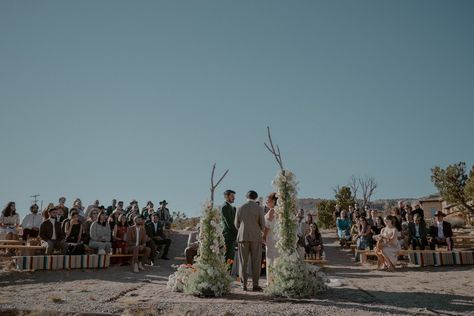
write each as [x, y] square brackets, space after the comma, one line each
[178, 279]
[291, 276]
[209, 275]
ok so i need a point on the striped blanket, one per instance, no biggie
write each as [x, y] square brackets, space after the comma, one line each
[60, 262]
[444, 258]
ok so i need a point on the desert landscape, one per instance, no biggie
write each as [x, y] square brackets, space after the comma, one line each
[354, 290]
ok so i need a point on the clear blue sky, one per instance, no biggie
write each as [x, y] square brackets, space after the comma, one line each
[137, 99]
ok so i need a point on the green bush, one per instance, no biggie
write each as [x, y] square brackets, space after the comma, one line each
[325, 217]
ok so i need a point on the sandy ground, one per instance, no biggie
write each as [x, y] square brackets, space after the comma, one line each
[365, 291]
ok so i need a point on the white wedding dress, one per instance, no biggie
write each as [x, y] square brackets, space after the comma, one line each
[271, 250]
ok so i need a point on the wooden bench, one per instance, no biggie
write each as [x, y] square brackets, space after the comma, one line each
[463, 241]
[428, 257]
[12, 242]
[319, 262]
[24, 250]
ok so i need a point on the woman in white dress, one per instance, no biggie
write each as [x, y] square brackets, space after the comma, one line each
[269, 234]
[387, 245]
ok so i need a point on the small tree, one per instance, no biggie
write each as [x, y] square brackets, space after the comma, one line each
[454, 185]
[354, 184]
[325, 213]
[344, 197]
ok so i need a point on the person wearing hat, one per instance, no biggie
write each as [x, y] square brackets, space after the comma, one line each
[229, 231]
[164, 215]
[440, 232]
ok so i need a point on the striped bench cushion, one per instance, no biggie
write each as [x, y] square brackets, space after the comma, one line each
[441, 258]
[59, 262]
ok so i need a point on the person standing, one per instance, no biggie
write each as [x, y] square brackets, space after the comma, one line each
[269, 236]
[229, 231]
[250, 222]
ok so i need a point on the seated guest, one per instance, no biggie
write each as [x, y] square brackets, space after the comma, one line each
[134, 211]
[314, 241]
[91, 207]
[136, 243]
[343, 225]
[192, 248]
[387, 245]
[63, 211]
[51, 234]
[101, 234]
[364, 236]
[440, 232]
[119, 244]
[418, 233]
[355, 228]
[86, 234]
[31, 223]
[9, 222]
[418, 211]
[303, 229]
[73, 230]
[113, 220]
[371, 217]
[164, 215]
[77, 204]
[405, 233]
[154, 230]
[147, 211]
[376, 229]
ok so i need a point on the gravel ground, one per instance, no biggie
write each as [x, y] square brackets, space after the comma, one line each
[362, 291]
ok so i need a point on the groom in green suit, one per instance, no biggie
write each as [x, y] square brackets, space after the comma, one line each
[229, 232]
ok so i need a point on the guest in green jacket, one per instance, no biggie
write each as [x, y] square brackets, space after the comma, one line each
[229, 231]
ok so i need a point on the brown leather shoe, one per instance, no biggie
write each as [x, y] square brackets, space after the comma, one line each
[257, 289]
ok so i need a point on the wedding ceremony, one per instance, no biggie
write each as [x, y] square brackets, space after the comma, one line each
[236, 157]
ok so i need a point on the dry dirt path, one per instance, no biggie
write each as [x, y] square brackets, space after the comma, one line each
[409, 291]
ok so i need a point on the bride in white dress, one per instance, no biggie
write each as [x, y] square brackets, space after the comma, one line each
[269, 234]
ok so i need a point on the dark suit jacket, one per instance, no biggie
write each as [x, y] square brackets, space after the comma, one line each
[152, 232]
[447, 231]
[228, 217]
[423, 230]
[46, 230]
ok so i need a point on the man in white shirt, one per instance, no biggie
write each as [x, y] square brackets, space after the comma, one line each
[31, 223]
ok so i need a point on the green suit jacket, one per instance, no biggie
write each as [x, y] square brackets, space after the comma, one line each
[228, 216]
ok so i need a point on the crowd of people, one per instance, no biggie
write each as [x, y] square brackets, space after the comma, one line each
[404, 228]
[94, 229]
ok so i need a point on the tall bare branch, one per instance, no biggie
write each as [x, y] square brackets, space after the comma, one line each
[275, 152]
[368, 186]
[354, 185]
[214, 186]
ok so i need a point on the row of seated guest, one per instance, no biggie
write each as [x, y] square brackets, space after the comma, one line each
[10, 220]
[439, 233]
[71, 235]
